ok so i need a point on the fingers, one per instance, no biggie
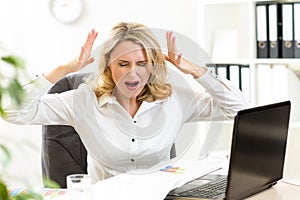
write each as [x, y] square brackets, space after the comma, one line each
[173, 55]
[171, 43]
[88, 45]
[178, 60]
[86, 49]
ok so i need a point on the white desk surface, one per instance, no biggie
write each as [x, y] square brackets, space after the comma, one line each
[281, 191]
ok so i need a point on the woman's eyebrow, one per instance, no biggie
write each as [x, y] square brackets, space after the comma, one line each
[123, 60]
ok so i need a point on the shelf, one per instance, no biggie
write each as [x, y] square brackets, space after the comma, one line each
[214, 2]
[232, 61]
[276, 61]
[228, 35]
[223, 25]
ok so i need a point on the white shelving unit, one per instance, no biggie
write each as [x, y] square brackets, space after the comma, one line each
[228, 35]
[236, 20]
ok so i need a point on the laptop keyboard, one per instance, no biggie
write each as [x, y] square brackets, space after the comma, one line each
[209, 190]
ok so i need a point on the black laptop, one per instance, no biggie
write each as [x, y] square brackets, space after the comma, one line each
[256, 160]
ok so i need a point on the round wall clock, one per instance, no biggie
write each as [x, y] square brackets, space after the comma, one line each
[66, 11]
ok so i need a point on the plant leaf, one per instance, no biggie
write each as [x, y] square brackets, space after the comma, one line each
[27, 196]
[48, 183]
[3, 191]
[16, 61]
[6, 155]
[16, 91]
[2, 112]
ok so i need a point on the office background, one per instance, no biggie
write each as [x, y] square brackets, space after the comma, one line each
[29, 30]
[225, 29]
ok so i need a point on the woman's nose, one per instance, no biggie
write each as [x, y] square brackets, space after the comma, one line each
[132, 67]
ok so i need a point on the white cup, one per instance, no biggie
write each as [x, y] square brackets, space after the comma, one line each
[79, 186]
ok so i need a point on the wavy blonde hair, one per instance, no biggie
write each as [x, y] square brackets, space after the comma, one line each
[156, 87]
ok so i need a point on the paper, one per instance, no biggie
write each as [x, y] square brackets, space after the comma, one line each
[151, 186]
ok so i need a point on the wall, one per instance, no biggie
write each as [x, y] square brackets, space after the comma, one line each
[28, 30]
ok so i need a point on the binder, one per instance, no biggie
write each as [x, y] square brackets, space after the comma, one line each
[287, 30]
[280, 82]
[245, 81]
[262, 49]
[297, 30]
[264, 84]
[234, 75]
[275, 29]
[222, 71]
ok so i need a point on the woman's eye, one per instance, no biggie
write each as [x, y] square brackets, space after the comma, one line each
[142, 63]
[123, 64]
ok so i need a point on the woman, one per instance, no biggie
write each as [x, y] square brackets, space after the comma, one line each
[130, 117]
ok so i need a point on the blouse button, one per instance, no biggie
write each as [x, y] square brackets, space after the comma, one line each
[134, 121]
[132, 140]
[132, 160]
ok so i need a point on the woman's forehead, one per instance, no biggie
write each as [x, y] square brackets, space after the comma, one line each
[128, 49]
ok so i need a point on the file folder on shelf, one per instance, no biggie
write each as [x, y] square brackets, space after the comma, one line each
[262, 45]
[235, 75]
[264, 84]
[245, 81]
[287, 30]
[238, 74]
[275, 29]
[297, 30]
[222, 71]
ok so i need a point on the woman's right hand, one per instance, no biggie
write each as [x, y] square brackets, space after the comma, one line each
[78, 63]
[84, 57]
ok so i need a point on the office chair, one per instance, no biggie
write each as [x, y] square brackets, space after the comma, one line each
[63, 152]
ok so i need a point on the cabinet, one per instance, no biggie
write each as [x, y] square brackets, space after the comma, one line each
[228, 35]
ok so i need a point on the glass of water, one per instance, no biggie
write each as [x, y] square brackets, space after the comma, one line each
[79, 186]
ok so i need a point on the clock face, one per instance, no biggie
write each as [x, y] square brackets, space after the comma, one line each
[66, 11]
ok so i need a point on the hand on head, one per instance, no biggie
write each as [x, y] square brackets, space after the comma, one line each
[178, 61]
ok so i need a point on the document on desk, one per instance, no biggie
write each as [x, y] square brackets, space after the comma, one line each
[151, 186]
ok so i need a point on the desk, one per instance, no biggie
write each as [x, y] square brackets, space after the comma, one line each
[281, 191]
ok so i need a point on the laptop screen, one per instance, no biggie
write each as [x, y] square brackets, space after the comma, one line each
[258, 149]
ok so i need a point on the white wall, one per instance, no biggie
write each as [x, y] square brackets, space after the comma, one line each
[29, 30]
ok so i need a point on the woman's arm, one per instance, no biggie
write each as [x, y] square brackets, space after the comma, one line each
[78, 63]
[38, 108]
[221, 100]
[178, 61]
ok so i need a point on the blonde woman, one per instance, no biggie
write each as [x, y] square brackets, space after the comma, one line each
[130, 116]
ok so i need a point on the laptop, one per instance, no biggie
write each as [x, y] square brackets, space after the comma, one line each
[256, 160]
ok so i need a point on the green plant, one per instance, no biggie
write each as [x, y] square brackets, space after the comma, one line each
[12, 70]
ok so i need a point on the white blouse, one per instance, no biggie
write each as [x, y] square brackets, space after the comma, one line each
[117, 142]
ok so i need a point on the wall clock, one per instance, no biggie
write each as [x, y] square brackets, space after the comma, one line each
[66, 11]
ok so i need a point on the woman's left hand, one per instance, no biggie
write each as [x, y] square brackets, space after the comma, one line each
[181, 63]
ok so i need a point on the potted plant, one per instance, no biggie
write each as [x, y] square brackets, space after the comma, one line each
[12, 71]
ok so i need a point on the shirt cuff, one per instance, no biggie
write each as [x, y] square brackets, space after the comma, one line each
[42, 83]
[209, 80]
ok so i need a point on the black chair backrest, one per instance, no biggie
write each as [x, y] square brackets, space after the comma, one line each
[63, 152]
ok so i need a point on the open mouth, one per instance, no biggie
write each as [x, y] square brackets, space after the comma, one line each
[132, 84]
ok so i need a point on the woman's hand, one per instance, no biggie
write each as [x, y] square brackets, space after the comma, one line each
[84, 57]
[176, 59]
[78, 63]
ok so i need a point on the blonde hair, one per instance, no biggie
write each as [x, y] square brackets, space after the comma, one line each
[156, 87]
